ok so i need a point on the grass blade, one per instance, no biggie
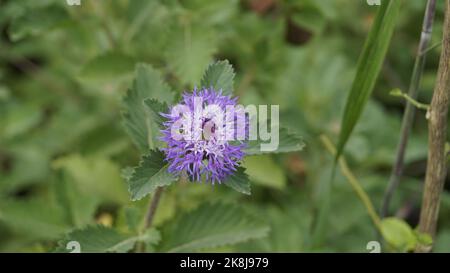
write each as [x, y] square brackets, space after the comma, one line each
[369, 66]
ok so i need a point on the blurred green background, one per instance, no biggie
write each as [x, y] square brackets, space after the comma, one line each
[64, 69]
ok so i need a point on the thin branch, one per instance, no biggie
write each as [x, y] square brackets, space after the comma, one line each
[437, 135]
[436, 45]
[365, 199]
[419, 105]
[152, 207]
[154, 202]
[408, 116]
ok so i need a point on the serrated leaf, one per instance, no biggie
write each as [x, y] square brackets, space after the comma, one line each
[155, 108]
[150, 174]
[94, 239]
[138, 122]
[211, 225]
[239, 181]
[127, 172]
[107, 67]
[398, 234]
[219, 75]
[288, 142]
[368, 69]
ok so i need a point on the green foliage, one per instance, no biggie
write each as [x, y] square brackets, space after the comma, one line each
[239, 181]
[401, 237]
[288, 142]
[107, 67]
[94, 176]
[263, 170]
[220, 76]
[37, 218]
[155, 108]
[369, 66]
[138, 122]
[398, 234]
[64, 75]
[442, 242]
[150, 174]
[209, 226]
[103, 239]
[79, 207]
[190, 53]
[34, 21]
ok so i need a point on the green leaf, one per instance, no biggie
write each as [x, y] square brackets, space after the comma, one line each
[79, 208]
[138, 122]
[150, 174]
[219, 75]
[107, 67]
[189, 55]
[37, 21]
[155, 108]
[288, 142]
[398, 234]
[94, 239]
[141, 13]
[211, 225]
[133, 218]
[36, 218]
[94, 176]
[263, 170]
[28, 157]
[368, 69]
[290, 225]
[19, 120]
[239, 181]
[310, 19]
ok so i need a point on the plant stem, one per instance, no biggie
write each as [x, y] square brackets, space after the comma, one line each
[419, 105]
[152, 207]
[354, 183]
[436, 45]
[408, 116]
[437, 135]
[140, 247]
[154, 202]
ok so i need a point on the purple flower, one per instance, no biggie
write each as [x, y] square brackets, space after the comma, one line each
[204, 136]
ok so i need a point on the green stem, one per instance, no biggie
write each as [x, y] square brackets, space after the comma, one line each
[419, 105]
[432, 47]
[152, 207]
[353, 182]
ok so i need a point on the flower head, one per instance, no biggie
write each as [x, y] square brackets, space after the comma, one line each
[204, 136]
